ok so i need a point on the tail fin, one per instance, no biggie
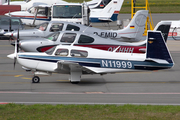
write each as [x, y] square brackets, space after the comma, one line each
[105, 10]
[135, 29]
[164, 27]
[157, 50]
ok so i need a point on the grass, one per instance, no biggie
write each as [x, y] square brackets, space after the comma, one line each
[95, 112]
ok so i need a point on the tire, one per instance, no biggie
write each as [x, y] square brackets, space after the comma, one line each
[75, 82]
[35, 79]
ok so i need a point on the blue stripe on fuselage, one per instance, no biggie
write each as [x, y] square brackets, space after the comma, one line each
[113, 18]
[102, 63]
[42, 19]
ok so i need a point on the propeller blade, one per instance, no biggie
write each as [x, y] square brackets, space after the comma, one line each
[14, 62]
[10, 24]
[16, 48]
[17, 41]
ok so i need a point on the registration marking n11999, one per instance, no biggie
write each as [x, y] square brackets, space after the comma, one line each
[116, 64]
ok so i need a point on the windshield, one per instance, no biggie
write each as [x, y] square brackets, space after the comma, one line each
[53, 36]
[50, 51]
[42, 26]
[14, 21]
[67, 11]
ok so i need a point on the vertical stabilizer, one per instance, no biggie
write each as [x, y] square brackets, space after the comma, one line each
[135, 29]
[157, 49]
[105, 10]
[164, 27]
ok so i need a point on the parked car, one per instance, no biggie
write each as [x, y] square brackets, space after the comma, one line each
[6, 22]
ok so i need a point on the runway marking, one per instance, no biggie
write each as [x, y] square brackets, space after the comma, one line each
[2, 103]
[93, 92]
[26, 78]
[18, 75]
[85, 93]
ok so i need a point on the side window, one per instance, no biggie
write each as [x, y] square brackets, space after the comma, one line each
[53, 36]
[56, 27]
[72, 27]
[15, 22]
[4, 21]
[61, 52]
[42, 26]
[68, 37]
[85, 39]
[79, 53]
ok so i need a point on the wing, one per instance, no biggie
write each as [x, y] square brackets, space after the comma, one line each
[42, 6]
[75, 66]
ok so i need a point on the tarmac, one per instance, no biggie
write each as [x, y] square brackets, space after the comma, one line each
[140, 88]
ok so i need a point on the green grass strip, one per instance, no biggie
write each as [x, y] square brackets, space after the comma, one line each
[88, 112]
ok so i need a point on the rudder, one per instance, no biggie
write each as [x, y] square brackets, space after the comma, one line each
[156, 47]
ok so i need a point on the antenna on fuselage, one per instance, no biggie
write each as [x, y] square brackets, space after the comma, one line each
[87, 27]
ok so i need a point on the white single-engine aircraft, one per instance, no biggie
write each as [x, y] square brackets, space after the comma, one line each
[102, 11]
[132, 33]
[77, 61]
[25, 5]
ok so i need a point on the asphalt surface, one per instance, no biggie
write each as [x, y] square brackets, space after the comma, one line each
[147, 87]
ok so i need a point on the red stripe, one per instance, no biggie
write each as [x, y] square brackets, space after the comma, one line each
[116, 12]
[29, 16]
[128, 33]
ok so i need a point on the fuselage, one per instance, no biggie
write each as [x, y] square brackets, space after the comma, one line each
[92, 59]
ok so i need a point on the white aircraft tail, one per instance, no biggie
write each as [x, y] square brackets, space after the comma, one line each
[135, 29]
[164, 27]
[105, 10]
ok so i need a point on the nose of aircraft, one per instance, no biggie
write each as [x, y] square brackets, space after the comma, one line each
[11, 56]
[8, 34]
[28, 46]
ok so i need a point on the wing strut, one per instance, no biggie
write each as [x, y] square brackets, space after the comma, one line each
[37, 9]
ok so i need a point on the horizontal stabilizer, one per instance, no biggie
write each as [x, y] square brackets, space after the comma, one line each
[160, 61]
[105, 19]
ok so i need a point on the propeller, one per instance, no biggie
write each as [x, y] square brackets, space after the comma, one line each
[16, 49]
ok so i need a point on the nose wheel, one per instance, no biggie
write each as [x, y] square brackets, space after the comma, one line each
[35, 79]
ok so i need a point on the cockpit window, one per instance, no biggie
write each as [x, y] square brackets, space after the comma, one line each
[56, 27]
[53, 36]
[42, 26]
[85, 39]
[72, 27]
[50, 51]
[68, 37]
[79, 53]
[62, 52]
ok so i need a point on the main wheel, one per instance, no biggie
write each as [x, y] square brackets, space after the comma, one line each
[35, 79]
[75, 82]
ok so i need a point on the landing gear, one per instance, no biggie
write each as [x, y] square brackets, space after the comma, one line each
[75, 77]
[35, 79]
[74, 82]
